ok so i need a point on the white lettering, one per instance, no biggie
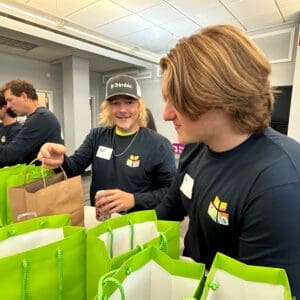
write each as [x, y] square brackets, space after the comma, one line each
[121, 85]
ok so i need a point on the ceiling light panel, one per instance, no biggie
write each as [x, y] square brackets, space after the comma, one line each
[124, 26]
[191, 7]
[181, 27]
[157, 14]
[152, 39]
[218, 15]
[248, 8]
[138, 5]
[262, 20]
[59, 8]
[98, 14]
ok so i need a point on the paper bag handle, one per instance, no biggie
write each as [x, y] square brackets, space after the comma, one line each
[27, 215]
[42, 173]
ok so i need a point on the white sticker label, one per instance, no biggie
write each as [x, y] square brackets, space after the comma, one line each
[187, 185]
[104, 152]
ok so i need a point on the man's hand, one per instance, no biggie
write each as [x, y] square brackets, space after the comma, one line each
[114, 201]
[52, 155]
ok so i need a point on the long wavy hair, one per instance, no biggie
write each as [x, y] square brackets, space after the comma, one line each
[107, 119]
[220, 67]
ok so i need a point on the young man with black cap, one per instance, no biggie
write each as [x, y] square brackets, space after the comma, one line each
[9, 127]
[132, 166]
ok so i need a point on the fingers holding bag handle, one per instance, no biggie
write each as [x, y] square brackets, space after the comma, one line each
[43, 177]
[52, 155]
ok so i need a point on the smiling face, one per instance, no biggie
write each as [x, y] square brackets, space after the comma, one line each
[124, 111]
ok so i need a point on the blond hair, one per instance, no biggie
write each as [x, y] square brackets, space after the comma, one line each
[106, 117]
[220, 67]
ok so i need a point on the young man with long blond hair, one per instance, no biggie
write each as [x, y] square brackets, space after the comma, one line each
[238, 180]
[132, 166]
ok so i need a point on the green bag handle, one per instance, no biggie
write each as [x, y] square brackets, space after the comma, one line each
[175, 267]
[163, 243]
[111, 241]
[59, 254]
[25, 279]
[107, 278]
[163, 246]
[25, 266]
[131, 226]
[111, 238]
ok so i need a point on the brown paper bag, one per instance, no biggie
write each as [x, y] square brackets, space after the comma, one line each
[52, 195]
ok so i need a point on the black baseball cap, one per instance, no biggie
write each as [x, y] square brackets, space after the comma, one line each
[122, 85]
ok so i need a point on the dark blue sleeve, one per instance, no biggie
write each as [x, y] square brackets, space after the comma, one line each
[14, 130]
[164, 170]
[35, 132]
[171, 207]
[76, 164]
[270, 232]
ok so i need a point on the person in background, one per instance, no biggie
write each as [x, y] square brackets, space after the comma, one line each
[238, 180]
[150, 120]
[9, 127]
[132, 166]
[41, 125]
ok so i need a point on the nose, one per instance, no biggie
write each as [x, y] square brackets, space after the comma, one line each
[122, 107]
[8, 105]
[169, 111]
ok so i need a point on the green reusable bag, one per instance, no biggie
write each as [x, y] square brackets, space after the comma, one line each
[152, 275]
[229, 279]
[43, 258]
[5, 173]
[14, 176]
[110, 243]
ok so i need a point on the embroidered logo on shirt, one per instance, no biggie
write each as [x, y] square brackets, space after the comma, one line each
[133, 161]
[217, 211]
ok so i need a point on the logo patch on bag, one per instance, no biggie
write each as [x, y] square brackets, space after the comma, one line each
[133, 161]
[217, 211]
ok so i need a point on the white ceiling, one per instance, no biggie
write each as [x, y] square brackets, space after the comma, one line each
[156, 25]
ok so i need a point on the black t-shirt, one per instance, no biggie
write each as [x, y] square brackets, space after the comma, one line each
[40, 127]
[244, 203]
[146, 168]
[8, 132]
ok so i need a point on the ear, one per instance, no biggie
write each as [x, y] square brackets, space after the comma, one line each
[24, 96]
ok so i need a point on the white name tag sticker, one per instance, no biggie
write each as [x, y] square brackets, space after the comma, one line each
[104, 152]
[187, 185]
